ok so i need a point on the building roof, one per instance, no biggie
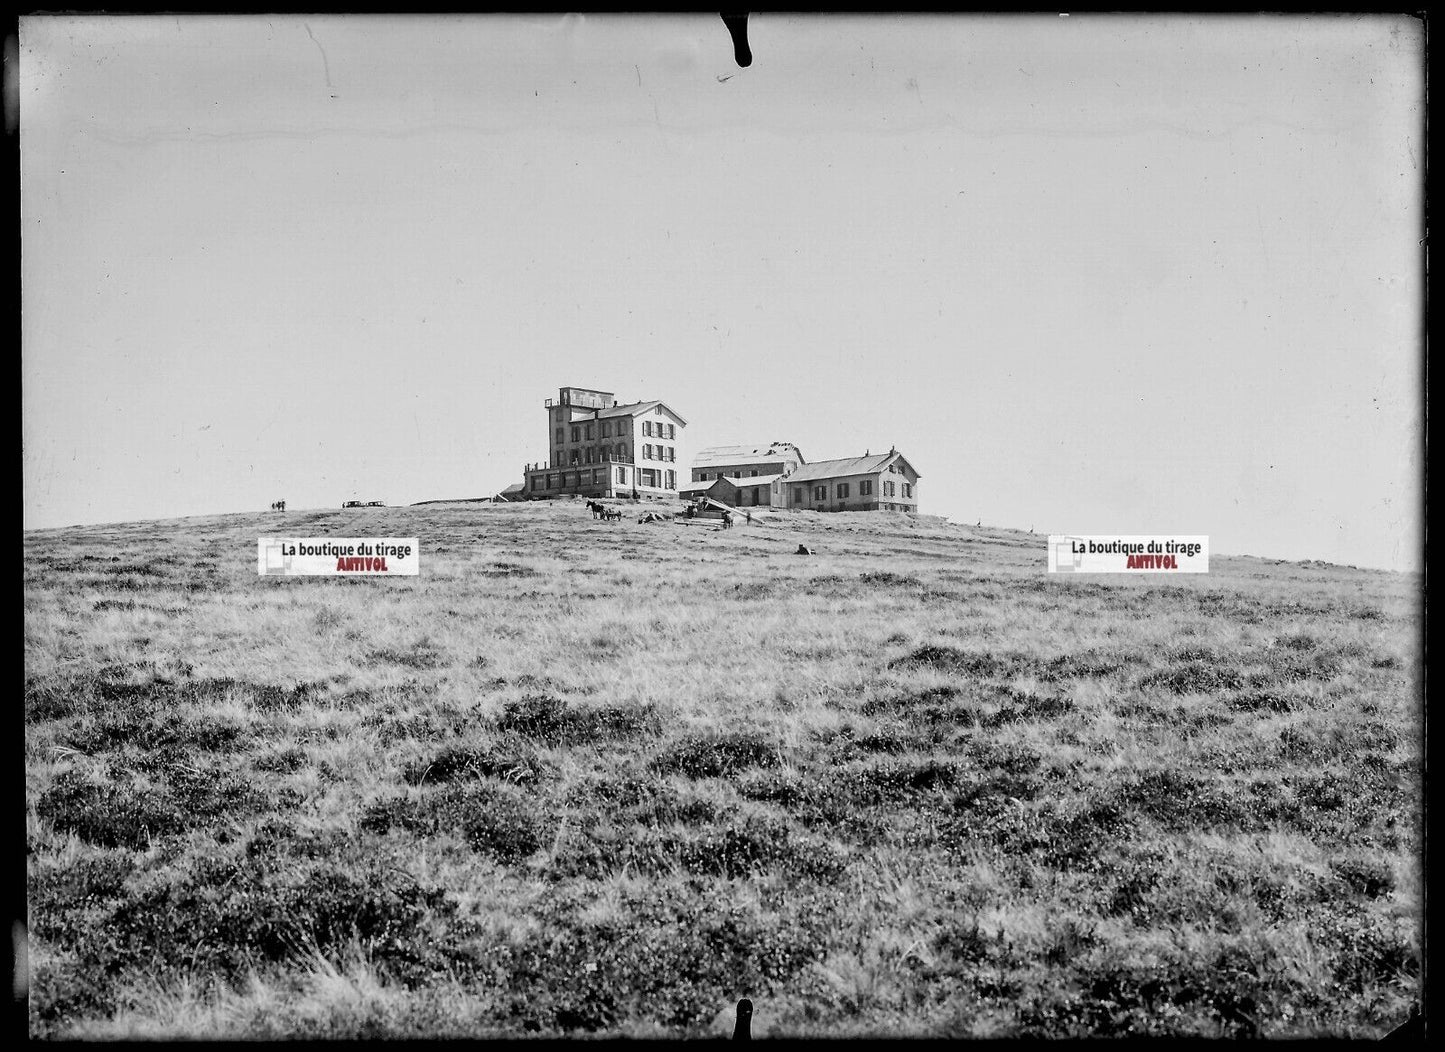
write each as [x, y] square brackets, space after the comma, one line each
[827, 469]
[515, 487]
[754, 480]
[742, 454]
[634, 408]
[706, 484]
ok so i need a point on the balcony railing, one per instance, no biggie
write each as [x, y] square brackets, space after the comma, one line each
[611, 458]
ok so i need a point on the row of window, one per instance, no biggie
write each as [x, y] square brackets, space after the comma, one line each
[865, 489]
[569, 479]
[587, 432]
[703, 476]
[587, 455]
[890, 489]
[577, 479]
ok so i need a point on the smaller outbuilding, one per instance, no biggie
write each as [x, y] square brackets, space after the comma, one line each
[722, 490]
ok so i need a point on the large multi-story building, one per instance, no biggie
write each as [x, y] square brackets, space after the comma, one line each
[600, 448]
[873, 482]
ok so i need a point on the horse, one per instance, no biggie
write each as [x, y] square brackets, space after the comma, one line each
[596, 509]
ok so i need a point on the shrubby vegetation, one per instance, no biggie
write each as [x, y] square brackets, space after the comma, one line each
[604, 779]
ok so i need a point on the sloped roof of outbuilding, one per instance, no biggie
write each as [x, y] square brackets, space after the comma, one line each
[754, 480]
[742, 454]
[827, 469]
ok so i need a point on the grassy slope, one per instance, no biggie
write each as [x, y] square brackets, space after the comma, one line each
[611, 777]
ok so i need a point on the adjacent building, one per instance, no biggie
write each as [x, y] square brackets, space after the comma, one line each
[776, 458]
[750, 472]
[872, 482]
[602, 448]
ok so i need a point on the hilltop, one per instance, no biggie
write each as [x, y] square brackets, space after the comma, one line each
[606, 778]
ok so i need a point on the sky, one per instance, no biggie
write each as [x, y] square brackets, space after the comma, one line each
[1090, 274]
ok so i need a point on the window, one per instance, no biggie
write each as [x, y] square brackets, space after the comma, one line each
[575, 458]
[865, 487]
[589, 454]
[647, 451]
[672, 453]
[590, 434]
[842, 490]
[752, 474]
[671, 430]
[559, 436]
[551, 481]
[576, 433]
[606, 429]
[647, 427]
[621, 452]
[596, 476]
[907, 490]
[672, 480]
[797, 494]
[607, 452]
[820, 493]
[621, 474]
